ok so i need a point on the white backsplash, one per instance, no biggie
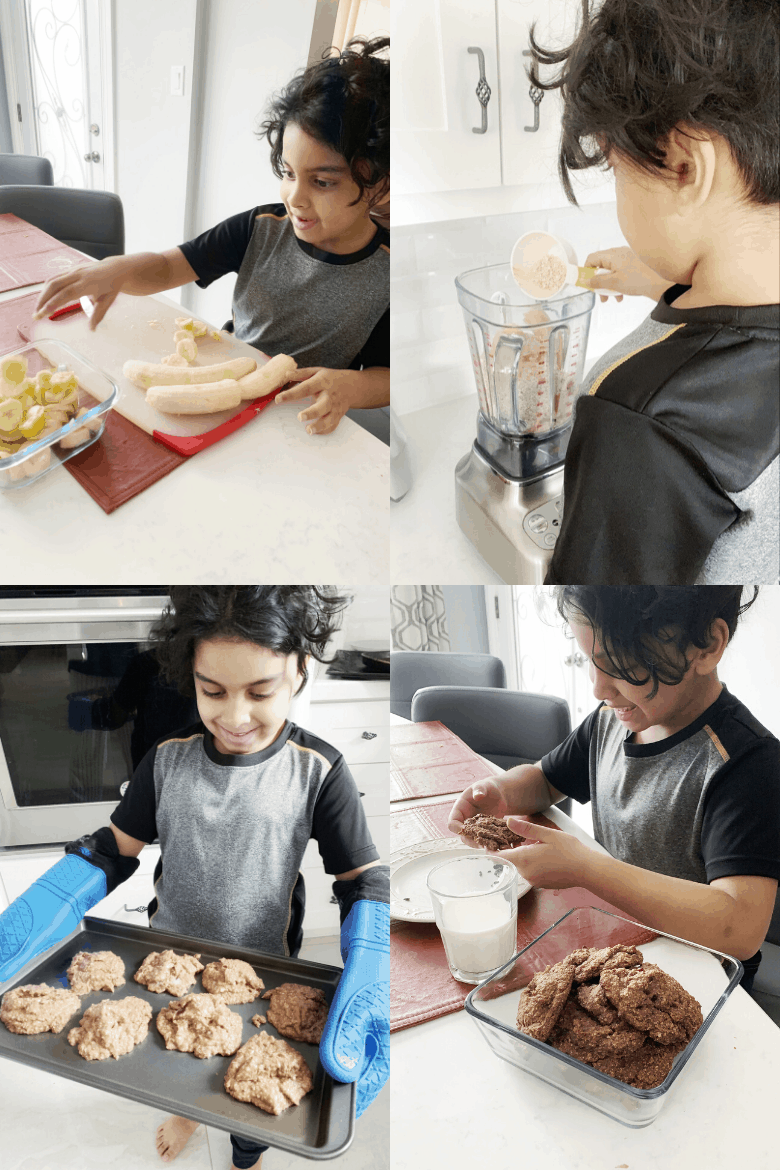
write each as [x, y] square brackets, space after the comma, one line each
[431, 362]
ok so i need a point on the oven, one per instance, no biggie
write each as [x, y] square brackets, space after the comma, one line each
[80, 696]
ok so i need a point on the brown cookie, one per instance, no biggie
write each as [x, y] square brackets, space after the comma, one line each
[36, 1007]
[490, 832]
[542, 1001]
[111, 1028]
[268, 1073]
[95, 971]
[233, 980]
[595, 960]
[297, 1011]
[167, 971]
[579, 1035]
[646, 1068]
[202, 1024]
[647, 998]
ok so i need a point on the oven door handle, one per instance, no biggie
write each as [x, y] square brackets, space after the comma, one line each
[37, 617]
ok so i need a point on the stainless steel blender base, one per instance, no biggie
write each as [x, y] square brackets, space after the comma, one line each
[494, 513]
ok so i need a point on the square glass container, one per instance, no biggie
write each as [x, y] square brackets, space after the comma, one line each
[96, 391]
[708, 975]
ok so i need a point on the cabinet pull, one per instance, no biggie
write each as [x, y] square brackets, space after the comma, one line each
[368, 735]
[482, 91]
[536, 96]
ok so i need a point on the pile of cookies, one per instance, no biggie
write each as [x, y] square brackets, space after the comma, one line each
[265, 1071]
[611, 1010]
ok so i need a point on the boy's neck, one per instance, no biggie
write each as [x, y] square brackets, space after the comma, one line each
[740, 267]
[694, 705]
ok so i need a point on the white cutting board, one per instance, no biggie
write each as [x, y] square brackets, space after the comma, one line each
[127, 333]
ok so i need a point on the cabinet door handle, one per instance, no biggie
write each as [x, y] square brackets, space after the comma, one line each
[482, 91]
[368, 735]
[536, 96]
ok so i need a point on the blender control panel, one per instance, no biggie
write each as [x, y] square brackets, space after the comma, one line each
[543, 523]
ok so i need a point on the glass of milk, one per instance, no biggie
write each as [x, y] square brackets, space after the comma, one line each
[474, 902]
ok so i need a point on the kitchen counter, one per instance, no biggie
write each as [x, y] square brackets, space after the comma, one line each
[269, 502]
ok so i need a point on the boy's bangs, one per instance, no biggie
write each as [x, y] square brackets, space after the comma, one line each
[639, 69]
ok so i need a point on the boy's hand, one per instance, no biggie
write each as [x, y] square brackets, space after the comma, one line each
[552, 861]
[332, 393]
[101, 281]
[627, 274]
[484, 796]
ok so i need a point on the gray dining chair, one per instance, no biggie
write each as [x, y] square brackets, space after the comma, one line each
[91, 221]
[410, 670]
[26, 168]
[506, 727]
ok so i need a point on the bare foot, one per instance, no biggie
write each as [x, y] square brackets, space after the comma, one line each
[173, 1135]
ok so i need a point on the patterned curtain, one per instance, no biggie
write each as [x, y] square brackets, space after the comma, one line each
[418, 619]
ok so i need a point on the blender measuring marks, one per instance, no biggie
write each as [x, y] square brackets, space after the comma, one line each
[528, 360]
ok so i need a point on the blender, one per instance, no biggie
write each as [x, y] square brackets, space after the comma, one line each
[528, 357]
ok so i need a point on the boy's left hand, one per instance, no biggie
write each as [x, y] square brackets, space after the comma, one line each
[552, 860]
[331, 390]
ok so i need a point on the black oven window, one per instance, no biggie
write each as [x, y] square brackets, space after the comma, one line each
[76, 720]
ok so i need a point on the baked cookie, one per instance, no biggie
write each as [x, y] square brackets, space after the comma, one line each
[645, 1068]
[647, 998]
[579, 1035]
[36, 1007]
[112, 1027]
[202, 1024]
[591, 961]
[95, 971]
[490, 832]
[268, 1073]
[542, 1001]
[167, 971]
[232, 980]
[297, 1011]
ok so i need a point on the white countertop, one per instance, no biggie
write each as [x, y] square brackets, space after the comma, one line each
[294, 508]
[455, 1104]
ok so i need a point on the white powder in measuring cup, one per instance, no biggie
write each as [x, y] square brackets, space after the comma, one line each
[549, 273]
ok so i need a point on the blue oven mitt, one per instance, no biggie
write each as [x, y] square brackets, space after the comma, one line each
[355, 1044]
[54, 905]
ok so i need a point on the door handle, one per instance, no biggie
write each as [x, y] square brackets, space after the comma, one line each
[483, 91]
[536, 96]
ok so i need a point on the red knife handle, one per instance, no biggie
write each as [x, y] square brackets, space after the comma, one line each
[191, 444]
[68, 309]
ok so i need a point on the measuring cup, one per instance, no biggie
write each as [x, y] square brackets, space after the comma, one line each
[534, 248]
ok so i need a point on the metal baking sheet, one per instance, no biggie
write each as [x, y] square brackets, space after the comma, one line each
[322, 1126]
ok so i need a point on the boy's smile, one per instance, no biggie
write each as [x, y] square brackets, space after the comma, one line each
[319, 193]
[244, 693]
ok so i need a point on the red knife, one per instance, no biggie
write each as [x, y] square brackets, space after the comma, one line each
[191, 444]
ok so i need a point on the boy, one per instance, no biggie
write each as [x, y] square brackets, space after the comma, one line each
[682, 779]
[313, 270]
[234, 800]
[671, 473]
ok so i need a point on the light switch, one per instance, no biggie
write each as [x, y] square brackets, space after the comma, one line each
[177, 80]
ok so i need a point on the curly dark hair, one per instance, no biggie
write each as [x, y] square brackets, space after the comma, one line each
[646, 630]
[288, 619]
[639, 68]
[344, 103]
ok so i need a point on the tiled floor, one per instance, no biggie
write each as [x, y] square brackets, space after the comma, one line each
[50, 1123]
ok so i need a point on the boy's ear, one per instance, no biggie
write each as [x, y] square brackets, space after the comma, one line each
[707, 660]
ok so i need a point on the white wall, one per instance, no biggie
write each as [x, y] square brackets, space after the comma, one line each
[750, 668]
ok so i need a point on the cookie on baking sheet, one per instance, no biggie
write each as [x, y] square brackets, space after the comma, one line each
[297, 1011]
[167, 971]
[36, 1007]
[201, 1024]
[112, 1027]
[95, 971]
[233, 980]
[268, 1073]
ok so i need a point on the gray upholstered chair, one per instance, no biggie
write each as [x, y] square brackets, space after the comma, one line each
[766, 985]
[91, 221]
[410, 670]
[506, 727]
[26, 168]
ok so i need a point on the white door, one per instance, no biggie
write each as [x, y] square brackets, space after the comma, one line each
[443, 137]
[58, 66]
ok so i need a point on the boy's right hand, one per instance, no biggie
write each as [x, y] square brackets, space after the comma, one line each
[484, 796]
[101, 281]
[627, 274]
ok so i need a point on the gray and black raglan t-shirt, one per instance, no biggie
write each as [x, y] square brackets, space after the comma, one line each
[291, 297]
[233, 830]
[702, 804]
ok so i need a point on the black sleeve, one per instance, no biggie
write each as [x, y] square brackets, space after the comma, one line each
[339, 824]
[222, 248]
[376, 351]
[640, 504]
[567, 767]
[373, 885]
[740, 831]
[101, 850]
[136, 812]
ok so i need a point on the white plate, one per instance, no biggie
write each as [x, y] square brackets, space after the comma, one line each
[409, 869]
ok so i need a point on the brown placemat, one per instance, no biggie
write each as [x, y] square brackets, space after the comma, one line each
[124, 460]
[421, 987]
[30, 255]
[427, 759]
